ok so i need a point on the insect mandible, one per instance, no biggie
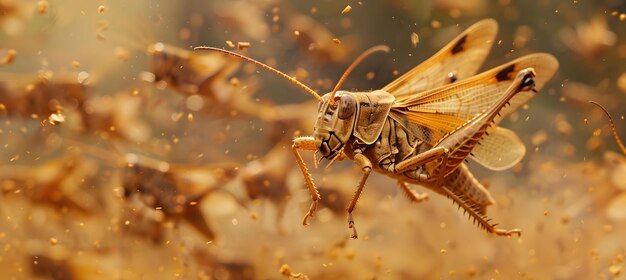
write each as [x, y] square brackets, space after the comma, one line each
[421, 127]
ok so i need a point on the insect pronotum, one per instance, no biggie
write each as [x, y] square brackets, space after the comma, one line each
[421, 127]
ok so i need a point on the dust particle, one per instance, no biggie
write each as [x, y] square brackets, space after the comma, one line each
[621, 82]
[56, 118]
[455, 13]
[615, 270]
[82, 77]
[435, 24]
[346, 10]
[415, 39]
[234, 82]
[42, 7]
[9, 57]
[122, 53]
[243, 45]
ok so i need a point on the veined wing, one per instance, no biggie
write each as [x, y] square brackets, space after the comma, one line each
[458, 60]
[442, 110]
[465, 99]
[501, 150]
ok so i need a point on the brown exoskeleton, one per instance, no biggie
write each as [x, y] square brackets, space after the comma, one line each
[421, 127]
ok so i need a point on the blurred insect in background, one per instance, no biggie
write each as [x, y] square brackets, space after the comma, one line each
[205, 75]
[421, 127]
[25, 96]
[158, 192]
[188, 72]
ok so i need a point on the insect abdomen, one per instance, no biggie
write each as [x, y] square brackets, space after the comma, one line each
[396, 143]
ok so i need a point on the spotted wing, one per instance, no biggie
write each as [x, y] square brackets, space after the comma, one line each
[435, 113]
[458, 60]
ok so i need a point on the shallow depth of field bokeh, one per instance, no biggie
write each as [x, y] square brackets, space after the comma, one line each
[126, 155]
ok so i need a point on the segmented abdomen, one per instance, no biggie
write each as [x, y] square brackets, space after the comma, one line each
[397, 143]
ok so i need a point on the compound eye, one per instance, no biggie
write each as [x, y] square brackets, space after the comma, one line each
[347, 106]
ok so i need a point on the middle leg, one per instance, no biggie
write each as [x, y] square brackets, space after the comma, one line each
[412, 194]
[366, 167]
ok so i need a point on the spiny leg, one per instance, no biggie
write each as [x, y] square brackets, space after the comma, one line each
[473, 212]
[306, 143]
[366, 167]
[411, 194]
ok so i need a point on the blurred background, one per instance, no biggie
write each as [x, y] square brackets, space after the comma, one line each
[126, 155]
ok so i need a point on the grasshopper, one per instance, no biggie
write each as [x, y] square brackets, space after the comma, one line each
[421, 127]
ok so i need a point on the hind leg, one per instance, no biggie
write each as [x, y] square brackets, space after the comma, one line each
[412, 194]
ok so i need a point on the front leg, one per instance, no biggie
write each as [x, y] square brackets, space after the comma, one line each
[306, 143]
[366, 167]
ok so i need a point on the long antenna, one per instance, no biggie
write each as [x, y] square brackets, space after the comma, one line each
[619, 141]
[368, 52]
[267, 67]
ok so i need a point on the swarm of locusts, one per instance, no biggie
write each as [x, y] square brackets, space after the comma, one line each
[420, 128]
[159, 159]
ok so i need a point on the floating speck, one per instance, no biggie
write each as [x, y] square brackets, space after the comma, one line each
[243, 45]
[42, 7]
[415, 39]
[346, 10]
[9, 57]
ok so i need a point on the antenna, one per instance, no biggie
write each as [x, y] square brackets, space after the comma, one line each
[267, 67]
[368, 52]
[619, 141]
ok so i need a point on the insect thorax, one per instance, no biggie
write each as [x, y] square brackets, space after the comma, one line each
[394, 144]
[359, 115]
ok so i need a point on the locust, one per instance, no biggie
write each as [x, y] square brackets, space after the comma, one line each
[421, 127]
[205, 74]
